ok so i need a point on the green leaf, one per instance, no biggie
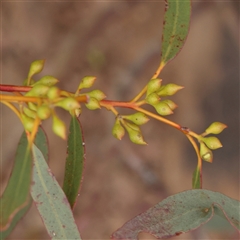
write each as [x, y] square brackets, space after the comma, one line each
[175, 29]
[181, 213]
[41, 142]
[16, 195]
[51, 201]
[75, 161]
[197, 178]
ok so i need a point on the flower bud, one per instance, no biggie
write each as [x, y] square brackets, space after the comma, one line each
[163, 109]
[78, 111]
[68, 104]
[152, 99]
[47, 80]
[212, 142]
[53, 92]
[86, 82]
[35, 67]
[215, 128]
[32, 106]
[153, 85]
[137, 118]
[25, 82]
[134, 133]
[28, 122]
[170, 103]
[92, 104]
[30, 113]
[169, 89]
[206, 153]
[97, 94]
[118, 130]
[58, 127]
[39, 90]
[44, 112]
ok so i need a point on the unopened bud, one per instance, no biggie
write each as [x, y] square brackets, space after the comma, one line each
[118, 130]
[137, 118]
[170, 103]
[53, 92]
[44, 112]
[212, 142]
[68, 104]
[30, 113]
[163, 109]
[47, 80]
[32, 106]
[153, 85]
[206, 153]
[215, 128]
[28, 122]
[59, 127]
[152, 99]
[97, 94]
[35, 67]
[93, 104]
[169, 89]
[86, 82]
[39, 90]
[134, 133]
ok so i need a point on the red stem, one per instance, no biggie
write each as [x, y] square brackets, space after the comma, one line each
[14, 88]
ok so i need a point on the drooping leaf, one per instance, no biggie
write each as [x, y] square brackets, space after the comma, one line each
[75, 161]
[175, 28]
[16, 195]
[41, 142]
[181, 213]
[51, 201]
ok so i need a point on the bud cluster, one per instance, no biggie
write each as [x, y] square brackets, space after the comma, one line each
[154, 93]
[131, 124]
[207, 144]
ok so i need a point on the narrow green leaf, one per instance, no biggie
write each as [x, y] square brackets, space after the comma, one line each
[175, 29]
[75, 161]
[181, 213]
[16, 195]
[197, 179]
[51, 201]
[41, 142]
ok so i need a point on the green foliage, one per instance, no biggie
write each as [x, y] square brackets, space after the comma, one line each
[173, 216]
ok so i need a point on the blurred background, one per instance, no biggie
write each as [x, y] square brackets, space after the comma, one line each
[119, 43]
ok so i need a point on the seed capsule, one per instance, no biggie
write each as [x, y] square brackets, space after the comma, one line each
[58, 127]
[169, 89]
[118, 130]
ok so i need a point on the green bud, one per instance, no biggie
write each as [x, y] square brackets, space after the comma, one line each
[25, 82]
[39, 90]
[137, 118]
[47, 80]
[35, 67]
[97, 94]
[28, 122]
[118, 130]
[152, 99]
[134, 133]
[169, 89]
[68, 104]
[170, 103]
[206, 153]
[153, 85]
[212, 142]
[163, 109]
[44, 112]
[86, 82]
[59, 127]
[32, 106]
[215, 128]
[30, 113]
[53, 92]
[93, 104]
